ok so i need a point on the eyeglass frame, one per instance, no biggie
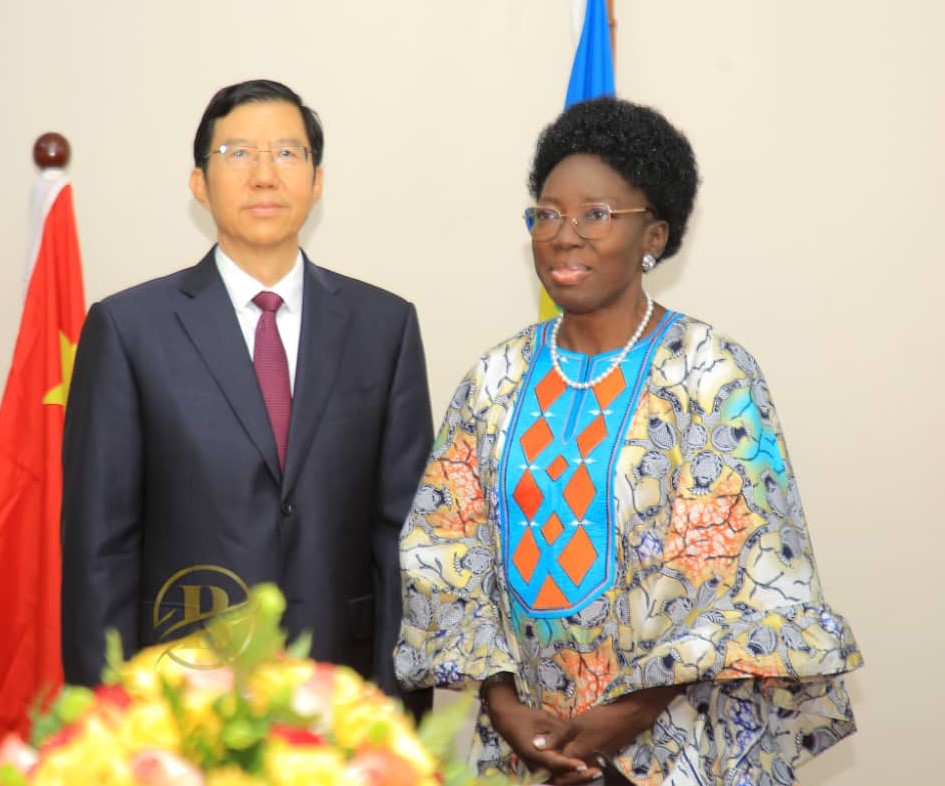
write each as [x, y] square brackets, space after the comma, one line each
[611, 212]
[307, 153]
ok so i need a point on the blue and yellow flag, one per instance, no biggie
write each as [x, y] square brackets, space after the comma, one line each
[592, 75]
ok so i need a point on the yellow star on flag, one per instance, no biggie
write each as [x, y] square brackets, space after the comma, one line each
[60, 393]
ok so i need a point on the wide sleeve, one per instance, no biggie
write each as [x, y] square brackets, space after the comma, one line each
[452, 635]
[725, 594]
[101, 502]
[731, 559]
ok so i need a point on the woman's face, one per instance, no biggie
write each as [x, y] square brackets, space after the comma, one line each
[595, 276]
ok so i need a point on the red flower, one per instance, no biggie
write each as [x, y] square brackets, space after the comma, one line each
[382, 767]
[61, 737]
[112, 695]
[296, 736]
[160, 768]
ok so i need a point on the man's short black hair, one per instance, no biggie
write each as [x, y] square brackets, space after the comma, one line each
[254, 91]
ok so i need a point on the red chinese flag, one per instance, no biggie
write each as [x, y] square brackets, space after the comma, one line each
[31, 422]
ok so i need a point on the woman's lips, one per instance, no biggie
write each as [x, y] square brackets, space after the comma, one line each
[570, 274]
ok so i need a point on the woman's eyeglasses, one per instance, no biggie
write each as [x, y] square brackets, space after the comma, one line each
[592, 222]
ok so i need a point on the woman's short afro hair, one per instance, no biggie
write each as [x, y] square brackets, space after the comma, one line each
[638, 143]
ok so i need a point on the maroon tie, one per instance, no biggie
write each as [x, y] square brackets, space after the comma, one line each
[272, 370]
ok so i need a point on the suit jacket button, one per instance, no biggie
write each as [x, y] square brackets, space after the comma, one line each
[288, 509]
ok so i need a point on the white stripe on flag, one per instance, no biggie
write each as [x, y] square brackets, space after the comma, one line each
[578, 10]
[47, 187]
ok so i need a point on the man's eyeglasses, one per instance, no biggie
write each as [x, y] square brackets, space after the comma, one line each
[245, 156]
[592, 222]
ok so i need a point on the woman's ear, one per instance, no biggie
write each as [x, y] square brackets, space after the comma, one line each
[656, 237]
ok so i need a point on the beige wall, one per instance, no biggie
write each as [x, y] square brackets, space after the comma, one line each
[816, 240]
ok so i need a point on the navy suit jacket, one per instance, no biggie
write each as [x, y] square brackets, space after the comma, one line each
[173, 500]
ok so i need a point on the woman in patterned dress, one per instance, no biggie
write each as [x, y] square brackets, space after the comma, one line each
[608, 542]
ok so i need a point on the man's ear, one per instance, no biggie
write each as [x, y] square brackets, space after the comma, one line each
[198, 186]
[318, 184]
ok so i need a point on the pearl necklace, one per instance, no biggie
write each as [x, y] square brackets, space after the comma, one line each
[556, 361]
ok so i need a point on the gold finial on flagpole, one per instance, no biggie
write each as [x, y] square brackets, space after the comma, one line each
[51, 151]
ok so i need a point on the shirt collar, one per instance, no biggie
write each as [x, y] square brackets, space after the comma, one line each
[242, 287]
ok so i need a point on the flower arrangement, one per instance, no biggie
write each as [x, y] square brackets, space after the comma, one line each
[232, 706]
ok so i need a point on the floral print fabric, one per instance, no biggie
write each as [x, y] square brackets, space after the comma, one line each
[715, 584]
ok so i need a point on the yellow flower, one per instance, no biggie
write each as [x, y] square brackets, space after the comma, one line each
[356, 703]
[94, 757]
[273, 683]
[149, 725]
[372, 719]
[304, 765]
[406, 744]
[186, 714]
[159, 768]
[381, 767]
[143, 676]
[232, 776]
[348, 687]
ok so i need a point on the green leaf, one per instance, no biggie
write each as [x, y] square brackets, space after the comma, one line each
[114, 658]
[301, 648]
[72, 702]
[248, 635]
[438, 730]
[175, 702]
[68, 706]
[241, 734]
[10, 776]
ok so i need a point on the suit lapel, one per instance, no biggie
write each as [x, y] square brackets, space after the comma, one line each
[325, 317]
[208, 318]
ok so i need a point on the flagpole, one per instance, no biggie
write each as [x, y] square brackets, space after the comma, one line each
[592, 75]
[51, 154]
[612, 24]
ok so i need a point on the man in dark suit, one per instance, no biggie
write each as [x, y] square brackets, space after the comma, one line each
[215, 439]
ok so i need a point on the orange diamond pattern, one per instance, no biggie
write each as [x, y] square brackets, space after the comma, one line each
[609, 388]
[536, 439]
[549, 389]
[526, 555]
[527, 495]
[578, 556]
[551, 556]
[578, 493]
[591, 436]
[557, 467]
[550, 596]
[552, 528]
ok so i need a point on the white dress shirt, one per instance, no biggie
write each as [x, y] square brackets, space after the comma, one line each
[242, 288]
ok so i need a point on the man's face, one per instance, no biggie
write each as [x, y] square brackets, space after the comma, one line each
[260, 209]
